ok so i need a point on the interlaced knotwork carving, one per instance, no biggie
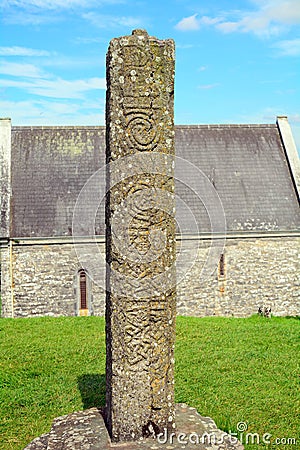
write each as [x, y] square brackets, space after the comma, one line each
[140, 236]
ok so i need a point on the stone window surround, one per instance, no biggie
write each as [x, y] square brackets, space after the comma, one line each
[88, 292]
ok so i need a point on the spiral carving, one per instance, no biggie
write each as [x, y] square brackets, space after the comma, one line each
[141, 132]
[153, 244]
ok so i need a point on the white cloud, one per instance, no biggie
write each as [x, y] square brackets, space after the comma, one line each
[34, 81]
[228, 27]
[282, 11]
[15, 110]
[190, 23]
[47, 112]
[22, 17]
[288, 47]
[271, 17]
[22, 51]
[58, 87]
[20, 70]
[36, 12]
[109, 21]
[72, 63]
[49, 4]
[205, 20]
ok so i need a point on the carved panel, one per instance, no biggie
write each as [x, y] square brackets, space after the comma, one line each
[140, 236]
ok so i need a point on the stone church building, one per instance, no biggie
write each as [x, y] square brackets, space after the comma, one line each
[252, 169]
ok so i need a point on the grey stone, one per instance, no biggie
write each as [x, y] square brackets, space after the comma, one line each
[140, 239]
[272, 265]
[40, 443]
[85, 430]
[79, 431]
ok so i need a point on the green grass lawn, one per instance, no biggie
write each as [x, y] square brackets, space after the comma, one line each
[233, 370]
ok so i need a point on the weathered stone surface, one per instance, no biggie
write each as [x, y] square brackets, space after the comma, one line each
[5, 176]
[258, 271]
[7, 309]
[45, 281]
[85, 430]
[140, 304]
[79, 431]
[39, 443]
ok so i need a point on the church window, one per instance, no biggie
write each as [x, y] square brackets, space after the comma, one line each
[83, 306]
[222, 266]
[222, 274]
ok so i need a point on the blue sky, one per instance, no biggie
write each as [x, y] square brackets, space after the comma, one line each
[236, 61]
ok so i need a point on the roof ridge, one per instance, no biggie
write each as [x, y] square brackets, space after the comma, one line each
[229, 125]
[58, 127]
[101, 127]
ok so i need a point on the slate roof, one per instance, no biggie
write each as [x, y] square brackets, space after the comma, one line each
[49, 168]
[248, 168]
[245, 163]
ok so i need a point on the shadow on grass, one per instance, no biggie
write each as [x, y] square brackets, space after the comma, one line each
[92, 390]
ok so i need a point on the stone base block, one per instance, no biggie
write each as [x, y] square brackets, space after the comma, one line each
[86, 430]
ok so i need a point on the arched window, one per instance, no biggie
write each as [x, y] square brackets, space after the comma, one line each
[222, 266]
[222, 274]
[83, 293]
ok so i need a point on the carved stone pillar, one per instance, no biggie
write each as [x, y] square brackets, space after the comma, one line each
[140, 236]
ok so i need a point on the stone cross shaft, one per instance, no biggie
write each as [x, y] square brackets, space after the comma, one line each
[140, 237]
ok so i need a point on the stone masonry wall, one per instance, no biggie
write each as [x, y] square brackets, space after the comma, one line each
[257, 272]
[6, 299]
[46, 282]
